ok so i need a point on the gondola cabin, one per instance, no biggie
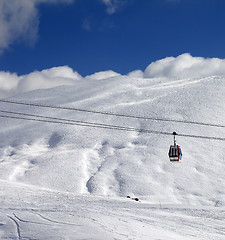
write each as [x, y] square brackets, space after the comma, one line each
[175, 153]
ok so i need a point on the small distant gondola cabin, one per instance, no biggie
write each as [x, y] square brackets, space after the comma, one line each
[175, 153]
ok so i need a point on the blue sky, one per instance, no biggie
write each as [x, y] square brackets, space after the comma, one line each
[119, 35]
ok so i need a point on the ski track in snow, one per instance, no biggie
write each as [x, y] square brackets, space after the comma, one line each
[17, 227]
[114, 218]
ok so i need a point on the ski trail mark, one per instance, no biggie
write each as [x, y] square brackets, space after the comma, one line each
[53, 221]
[25, 221]
[17, 227]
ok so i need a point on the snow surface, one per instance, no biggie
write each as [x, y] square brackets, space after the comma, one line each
[72, 182]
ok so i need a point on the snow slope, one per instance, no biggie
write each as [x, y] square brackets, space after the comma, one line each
[71, 182]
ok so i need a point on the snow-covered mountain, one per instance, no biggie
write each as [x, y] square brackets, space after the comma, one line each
[61, 181]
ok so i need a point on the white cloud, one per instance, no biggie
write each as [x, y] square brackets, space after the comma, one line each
[8, 84]
[19, 20]
[136, 74]
[12, 84]
[114, 5]
[185, 66]
[111, 6]
[48, 78]
[102, 75]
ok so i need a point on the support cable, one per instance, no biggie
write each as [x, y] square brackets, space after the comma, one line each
[46, 119]
[112, 114]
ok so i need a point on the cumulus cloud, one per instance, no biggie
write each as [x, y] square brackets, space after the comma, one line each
[136, 74]
[12, 84]
[8, 84]
[102, 75]
[185, 66]
[48, 79]
[19, 20]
